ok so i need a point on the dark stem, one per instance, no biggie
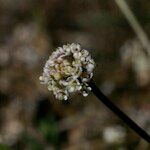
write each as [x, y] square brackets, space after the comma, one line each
[118, 112]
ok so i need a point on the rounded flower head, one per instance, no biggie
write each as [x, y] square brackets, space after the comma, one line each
[68, 70]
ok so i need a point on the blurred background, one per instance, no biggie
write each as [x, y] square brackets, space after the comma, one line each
[30, 117]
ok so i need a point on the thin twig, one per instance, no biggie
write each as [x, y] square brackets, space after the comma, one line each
[141, 34]
[118, 112]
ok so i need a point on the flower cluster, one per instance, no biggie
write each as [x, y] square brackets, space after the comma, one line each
[68, 70]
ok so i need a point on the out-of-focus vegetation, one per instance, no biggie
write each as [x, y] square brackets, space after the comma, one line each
[30, 117]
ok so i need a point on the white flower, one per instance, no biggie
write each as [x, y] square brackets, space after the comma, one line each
[68, 70]
[114, 134]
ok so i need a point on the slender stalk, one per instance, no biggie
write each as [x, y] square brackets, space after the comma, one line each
[141, 34]
[118, 112]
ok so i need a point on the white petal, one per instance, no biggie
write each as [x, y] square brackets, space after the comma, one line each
[85, 94]
[71, 89]
[65, 97]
